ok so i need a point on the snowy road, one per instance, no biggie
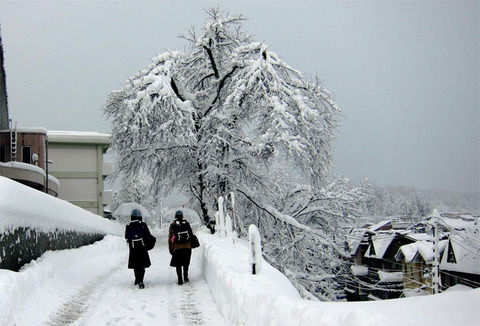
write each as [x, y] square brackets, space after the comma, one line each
[105, 295]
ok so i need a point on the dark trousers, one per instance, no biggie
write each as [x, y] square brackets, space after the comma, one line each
[139, 274]
[185, 274]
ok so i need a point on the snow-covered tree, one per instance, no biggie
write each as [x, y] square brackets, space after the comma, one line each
[213, 119]
[228, 115]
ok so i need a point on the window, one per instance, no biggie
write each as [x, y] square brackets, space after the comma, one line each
[27, 154]
[3, 153]
[451, 254]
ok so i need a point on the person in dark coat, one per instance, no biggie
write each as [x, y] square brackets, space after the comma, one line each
[180, 249]
[138, 259]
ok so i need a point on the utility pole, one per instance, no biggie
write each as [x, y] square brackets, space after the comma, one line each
[436, 279]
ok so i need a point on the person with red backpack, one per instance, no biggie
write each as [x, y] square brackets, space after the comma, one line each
[139, 240]
[180, 246]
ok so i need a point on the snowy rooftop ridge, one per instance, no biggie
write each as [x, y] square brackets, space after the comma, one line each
[29, 130]
[380, 242]
[466, 249]
[78, 137]
[424, 249]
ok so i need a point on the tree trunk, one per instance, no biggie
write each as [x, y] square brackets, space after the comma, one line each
[201, 199]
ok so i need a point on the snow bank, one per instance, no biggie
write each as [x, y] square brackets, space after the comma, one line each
[268, 298]
[22, 206]
[46, 281]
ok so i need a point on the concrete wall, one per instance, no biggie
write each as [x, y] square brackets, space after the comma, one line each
[21, 245]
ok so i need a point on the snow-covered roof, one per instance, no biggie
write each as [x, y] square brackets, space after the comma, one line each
[359, 270]
[380, 241]
[54, 180]
[407, 252]
[29, 130]
[388, 277]
[412, 251]
[420, 236]
[466, 248]
[23, 166]
[354, 238]
[380, 225]
[84, 137]
[456, 223]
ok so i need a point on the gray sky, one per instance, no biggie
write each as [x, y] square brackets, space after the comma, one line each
[406, 74]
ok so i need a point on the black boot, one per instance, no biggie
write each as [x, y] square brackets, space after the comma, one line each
[179, 275]
[139, 274]
[185, 274]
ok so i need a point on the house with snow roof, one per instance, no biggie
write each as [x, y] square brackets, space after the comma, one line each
[460, 263]
[374, 267]
[358, 240]
[384, 272]
[417, 259]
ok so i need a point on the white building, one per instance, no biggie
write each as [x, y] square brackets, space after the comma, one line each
[77, 161]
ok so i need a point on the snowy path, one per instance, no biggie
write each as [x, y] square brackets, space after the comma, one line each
[116, 301]
[110, 298]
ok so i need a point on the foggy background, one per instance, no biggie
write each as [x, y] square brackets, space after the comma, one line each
[406, 74]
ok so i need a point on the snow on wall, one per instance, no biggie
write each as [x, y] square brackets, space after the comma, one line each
[21, 245]
[268, 298]
[32, 222]
[22, 206]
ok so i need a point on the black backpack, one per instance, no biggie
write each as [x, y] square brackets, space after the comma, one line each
[181, 231]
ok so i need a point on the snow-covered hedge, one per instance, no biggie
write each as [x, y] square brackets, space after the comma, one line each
[32, 222]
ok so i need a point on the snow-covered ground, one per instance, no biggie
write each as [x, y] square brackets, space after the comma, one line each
[91, 285]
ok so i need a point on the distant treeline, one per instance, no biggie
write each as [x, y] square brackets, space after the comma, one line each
[408, 201]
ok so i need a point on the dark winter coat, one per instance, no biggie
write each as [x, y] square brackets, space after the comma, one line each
[181, 252]
[138, 256]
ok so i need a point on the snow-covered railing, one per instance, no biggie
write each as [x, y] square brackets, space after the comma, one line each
[224, 228]
[255, 249]
[32, 222]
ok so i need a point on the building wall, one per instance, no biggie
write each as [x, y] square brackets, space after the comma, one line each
[3, 92]
[79, 169]
[35, 140]
[68, 158]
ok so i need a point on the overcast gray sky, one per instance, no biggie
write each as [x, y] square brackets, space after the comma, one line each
[406, 74]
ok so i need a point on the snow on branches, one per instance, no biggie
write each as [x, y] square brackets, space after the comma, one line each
[217, 115]
[229, 115]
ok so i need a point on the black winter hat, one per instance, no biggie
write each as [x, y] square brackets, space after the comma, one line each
[178, 215]
[136, 214]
